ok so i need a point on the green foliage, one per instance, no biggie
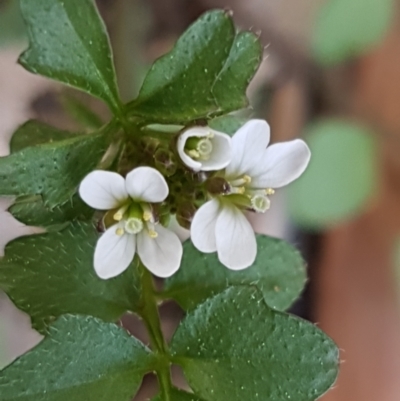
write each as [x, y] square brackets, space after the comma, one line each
[69, 43]
[52, 274]
[12, 27]
[52, 169]
[31, 211]
[81, 359]
[34, 133]
[179, 395]
[278, 272]
[345, 29]
[234, 347]
[341, 176]
[228, 124]
[206, 73]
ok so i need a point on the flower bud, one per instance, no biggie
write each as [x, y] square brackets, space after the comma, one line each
[185, 214]
[165, 162]
[217, 186]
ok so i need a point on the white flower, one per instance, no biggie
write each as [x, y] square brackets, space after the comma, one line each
[133, 226]
[220, 224]
[204, 149]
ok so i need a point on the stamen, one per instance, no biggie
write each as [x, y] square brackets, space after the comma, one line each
[246, 179]
[119, 214]
[133, 225]
[193, 153]
[269, 191]
[120, 231]
[147, 213]
[260, 203]
[153, 234]
[238, 190]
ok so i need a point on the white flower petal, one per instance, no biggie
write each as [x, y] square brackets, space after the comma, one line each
[282, 164]
[146, 184]
[161, 255]
[221, 155]
[113, 253]
[248, 147]
[103, 190]
[182, 233]
[202, 230]
[180, 146]
[236, 241]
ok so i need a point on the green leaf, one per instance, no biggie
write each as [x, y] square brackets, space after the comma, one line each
[346, 29]
[279, 273]
[32, 212]
[341, 177]
[35, 133]
[228, 124]
[81, 359]
[206, 73]
[244, 58]
[52, 170]
[52, 274]
[179, 395]
[234, 347]
[69, 43]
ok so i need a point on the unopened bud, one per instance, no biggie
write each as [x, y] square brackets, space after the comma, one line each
[185, 214]
[217, 186]
[165, 161]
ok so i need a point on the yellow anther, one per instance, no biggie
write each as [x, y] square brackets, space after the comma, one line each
[193, 153]
[247, 179]
[120, 231]
[241, 190]
[269, 191]
[118, 216]
[147, 216]
[153, 234]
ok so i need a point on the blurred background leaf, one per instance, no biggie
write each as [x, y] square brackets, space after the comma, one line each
[12, 27]
[341, 177]
[347, 28]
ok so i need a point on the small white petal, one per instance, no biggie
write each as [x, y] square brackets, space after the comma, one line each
[161, 255]
[180, 146]
[248, 147]
[146, 184]
[221, 155]
[282, 164]
[202, 229]
[114, 253]
[236, 242]
[103, 190]
[182, 233]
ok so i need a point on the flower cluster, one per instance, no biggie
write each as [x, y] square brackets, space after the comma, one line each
[234, 175]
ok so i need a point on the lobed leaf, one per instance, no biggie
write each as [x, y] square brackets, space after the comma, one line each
[206, 73]
[34, 133]
[54, 169]
[279, 273]
[234, 347]
[52, 274]
[81, 359]
[69, 43]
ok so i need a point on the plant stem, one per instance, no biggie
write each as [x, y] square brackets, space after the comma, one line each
[151, 318]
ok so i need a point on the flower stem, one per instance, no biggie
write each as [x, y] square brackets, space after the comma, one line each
[151, 318]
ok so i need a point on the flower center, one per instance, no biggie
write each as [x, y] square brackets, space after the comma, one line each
[241, 194]
[199, 148]
[133, 225]
[135, 218]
